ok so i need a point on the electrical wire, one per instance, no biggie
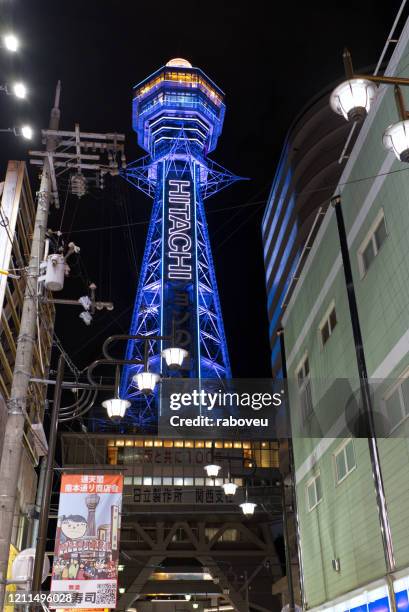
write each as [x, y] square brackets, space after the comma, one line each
[98, 333]
[245, 205]
[121, 199]
[64, 206]
[236, 229]
[68, 360]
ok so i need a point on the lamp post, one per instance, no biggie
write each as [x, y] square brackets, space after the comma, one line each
[116, 408]
[17, 89]
[248, 507]
[26, 131]
[353, 99]
[229, 487]
[386, 533]
[48, 482]
[352, 103]
[290, 583]
[11, 42]
[212, 469]
[288, 568]
[58, 414]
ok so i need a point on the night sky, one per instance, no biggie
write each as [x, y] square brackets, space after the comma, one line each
[268, 57]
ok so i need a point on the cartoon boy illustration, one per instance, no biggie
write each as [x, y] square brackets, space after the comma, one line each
[73, 526]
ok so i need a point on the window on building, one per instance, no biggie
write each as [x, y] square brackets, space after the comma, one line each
[396, 403]
[228, 535]
[314, 492]
[372, 243]
[22, 532]
[304, 388]
[345, 462]
[328, 324]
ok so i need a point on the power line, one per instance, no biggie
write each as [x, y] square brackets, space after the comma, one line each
[247, 204]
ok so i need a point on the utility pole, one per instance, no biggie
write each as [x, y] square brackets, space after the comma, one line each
[13, 439]
[86, 157]
[366, 399]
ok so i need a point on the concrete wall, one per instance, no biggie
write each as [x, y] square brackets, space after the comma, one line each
[3, 419]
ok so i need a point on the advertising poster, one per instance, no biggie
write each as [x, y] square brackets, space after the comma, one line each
[87, 540]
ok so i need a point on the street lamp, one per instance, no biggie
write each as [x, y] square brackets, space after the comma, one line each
[19, 90]
[229, 488]
[116, 407]
[174, 357]
[212, 470]
[26, 131]
[146, 381]
[396, 139]
[353, 98]
[248, 507]
[11, 42]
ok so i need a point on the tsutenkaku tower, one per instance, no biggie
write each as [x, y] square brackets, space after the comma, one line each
[178, 116]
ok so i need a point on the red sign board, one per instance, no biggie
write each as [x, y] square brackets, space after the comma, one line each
[87, 540]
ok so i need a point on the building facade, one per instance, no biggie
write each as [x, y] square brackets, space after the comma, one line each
[343, 559]
[313, 158]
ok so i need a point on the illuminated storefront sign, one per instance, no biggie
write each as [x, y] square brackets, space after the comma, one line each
[176, 456]
[178, 495]
[87, 541]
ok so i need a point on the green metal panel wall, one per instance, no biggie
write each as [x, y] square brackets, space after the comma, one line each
[345, 524]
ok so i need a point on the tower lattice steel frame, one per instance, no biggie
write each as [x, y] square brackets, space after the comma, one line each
[178, 115]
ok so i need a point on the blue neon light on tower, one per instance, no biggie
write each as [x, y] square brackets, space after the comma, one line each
[178, 116]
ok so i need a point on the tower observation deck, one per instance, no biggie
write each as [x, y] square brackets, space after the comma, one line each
[178, 115]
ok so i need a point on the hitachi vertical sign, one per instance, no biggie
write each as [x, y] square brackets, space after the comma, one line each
[179, 235]
[179, 250]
